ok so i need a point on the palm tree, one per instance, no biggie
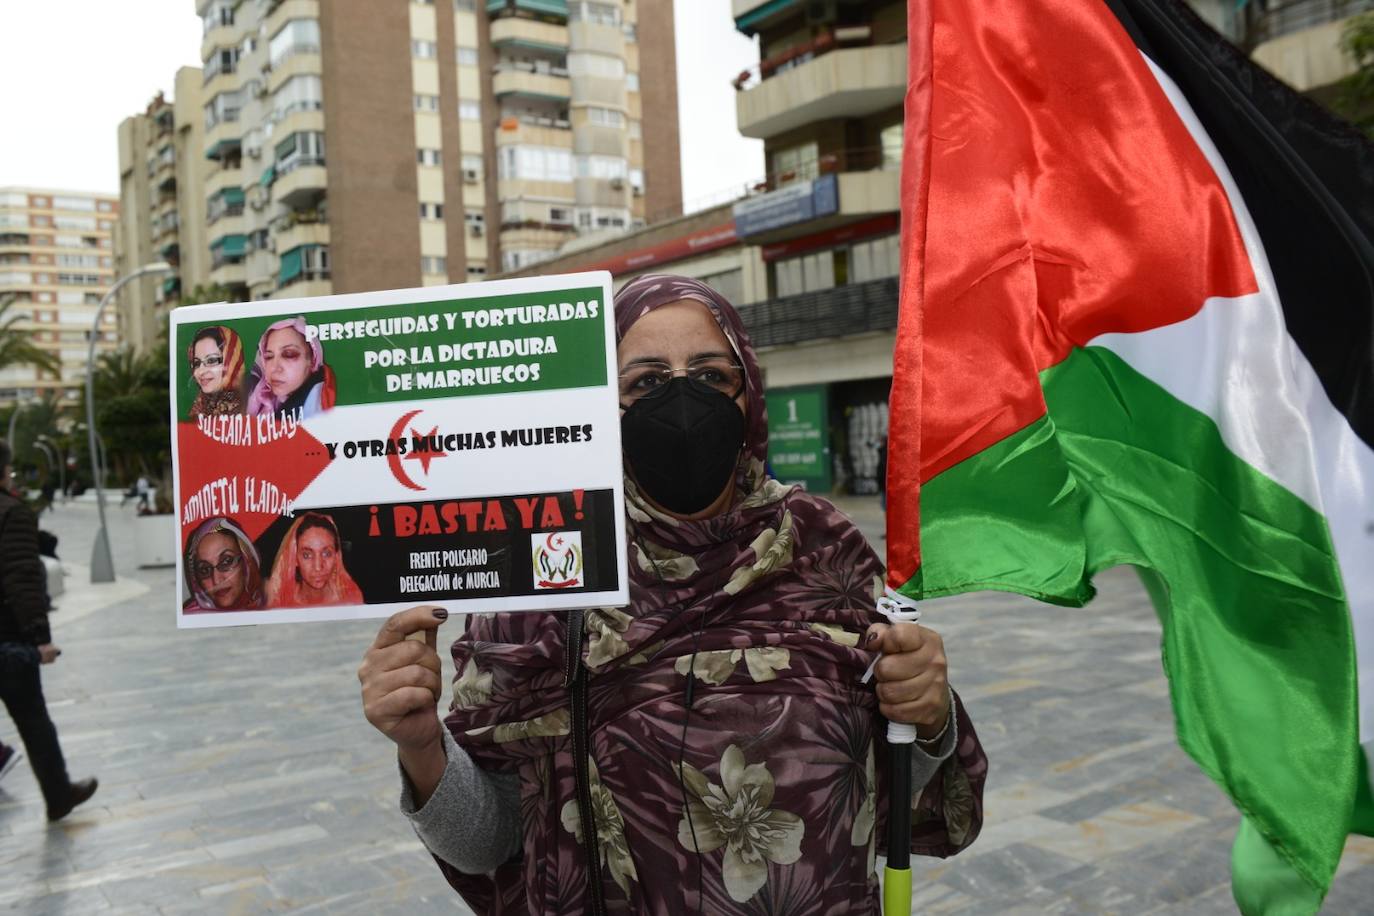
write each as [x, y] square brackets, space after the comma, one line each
[16, 344]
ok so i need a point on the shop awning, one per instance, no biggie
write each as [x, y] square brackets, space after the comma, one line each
[292, 263]
[230, 245]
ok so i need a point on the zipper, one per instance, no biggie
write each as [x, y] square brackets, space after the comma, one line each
[575, 675]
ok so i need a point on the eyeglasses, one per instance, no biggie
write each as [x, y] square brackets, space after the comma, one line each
[226, 564]
[210, 361]
[712, 373]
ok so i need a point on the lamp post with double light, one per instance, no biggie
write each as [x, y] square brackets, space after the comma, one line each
[102, 562]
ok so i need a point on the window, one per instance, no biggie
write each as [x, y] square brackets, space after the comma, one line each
[433, 265]
[47, 221]
[603, 167]
[598, 13]
[74, 203]
[104, 206]
[874, 259]
[87, 223]
[226, 202]
[78, 260]
[467, 57]
[304, 92]
[431, 211]
[637, 182]
[729, 284]
[476, 220]
[223, 107]
[804, 274]
[606, 117]
[514, 260]
[465, 5]
[631, 33]
[560, 215]
[259, 240]
[586, 63]
[304, 147]
[223, 60]
[476, 269]
[74, 279]
[423, 49]
[69, 241]
[217, 14]
[891, 139]
[299, 36]
[472, 168]
[535, 163]
[426, 102]
[602, 218]
[73, 298]
[469, 110]
[796, 163]
[427, 156]
[631, 82]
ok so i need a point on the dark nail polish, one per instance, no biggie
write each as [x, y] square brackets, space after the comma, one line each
[440, 614]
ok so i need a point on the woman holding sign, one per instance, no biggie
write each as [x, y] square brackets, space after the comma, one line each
[290, 376]
[712, 740]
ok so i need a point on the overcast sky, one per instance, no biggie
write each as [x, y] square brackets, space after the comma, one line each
[73, 69]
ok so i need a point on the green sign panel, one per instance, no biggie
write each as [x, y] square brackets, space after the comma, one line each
[440, 349]
[798, 436]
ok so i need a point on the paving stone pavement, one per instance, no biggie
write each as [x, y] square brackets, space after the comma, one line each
[238, 775]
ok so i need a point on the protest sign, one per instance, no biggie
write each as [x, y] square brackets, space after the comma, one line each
[349, 456]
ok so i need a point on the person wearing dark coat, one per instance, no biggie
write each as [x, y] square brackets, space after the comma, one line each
[25, 644]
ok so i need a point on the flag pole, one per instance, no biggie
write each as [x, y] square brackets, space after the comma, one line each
[898, 608]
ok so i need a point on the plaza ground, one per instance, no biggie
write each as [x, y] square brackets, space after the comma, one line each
[238, 775]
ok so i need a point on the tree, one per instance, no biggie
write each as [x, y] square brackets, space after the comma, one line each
[1355, 99]
[16, 344]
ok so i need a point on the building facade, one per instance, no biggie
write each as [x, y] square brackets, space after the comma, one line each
[162, 212]
[348, 145]
[56, 262]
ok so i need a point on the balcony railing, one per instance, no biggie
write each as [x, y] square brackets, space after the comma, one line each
[824, 43]
[855, 308]
[1278, 19]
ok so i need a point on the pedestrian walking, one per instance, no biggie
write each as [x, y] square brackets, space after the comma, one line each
[709, 747]
[25, 644]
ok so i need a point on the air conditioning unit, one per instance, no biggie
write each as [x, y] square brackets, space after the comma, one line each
[476, 231]
[469, 176]
[617, 183]
[254, 152]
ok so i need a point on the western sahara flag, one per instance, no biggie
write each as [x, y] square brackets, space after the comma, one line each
[1136, 329]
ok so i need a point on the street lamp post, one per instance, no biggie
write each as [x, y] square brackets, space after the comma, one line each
[18, 406]
[102, 562]
[60, 462]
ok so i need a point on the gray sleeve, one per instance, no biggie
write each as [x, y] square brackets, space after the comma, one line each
[472, 821]
[926, 757]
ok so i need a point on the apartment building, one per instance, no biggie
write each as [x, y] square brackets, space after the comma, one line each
[162, 210]
[352, 145]
[56, 261]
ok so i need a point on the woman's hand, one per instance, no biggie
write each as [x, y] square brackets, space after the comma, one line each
[402, 681]
[913, 684]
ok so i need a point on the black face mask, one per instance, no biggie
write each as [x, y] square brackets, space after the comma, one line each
[683, 445]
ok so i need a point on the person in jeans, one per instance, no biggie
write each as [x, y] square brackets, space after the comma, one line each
[26, 643]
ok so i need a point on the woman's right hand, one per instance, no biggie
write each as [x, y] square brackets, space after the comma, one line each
[402, 681]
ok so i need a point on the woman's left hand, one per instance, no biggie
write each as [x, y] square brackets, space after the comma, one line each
[913, 682]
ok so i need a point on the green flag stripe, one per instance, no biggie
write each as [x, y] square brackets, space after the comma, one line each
[1258, 644]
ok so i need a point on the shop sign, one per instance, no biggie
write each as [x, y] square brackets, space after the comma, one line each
[795, 203]
[798, 436]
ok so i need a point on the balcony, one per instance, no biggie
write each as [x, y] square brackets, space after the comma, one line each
[229, 274]
[529, 34]
[525, 81]
[284, 12]
[856, 308]
[301, 186]
[221, 36]
[842, 83]
[547, 10]
[289, 235]
[530, 130]
[298, 60]
[223, 178]
[830, 191]
[1299, 41]
[222, 139]
[223, 81]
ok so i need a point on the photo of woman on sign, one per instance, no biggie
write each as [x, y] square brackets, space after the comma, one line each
[709, 747]
[309, 568]
[289, 374]
[222, 569]
[216, 360]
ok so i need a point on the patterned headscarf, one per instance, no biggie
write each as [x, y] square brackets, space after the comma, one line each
[761, 607]
[230, 396]
[252, 571]
[262, 401]
[283, 585]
